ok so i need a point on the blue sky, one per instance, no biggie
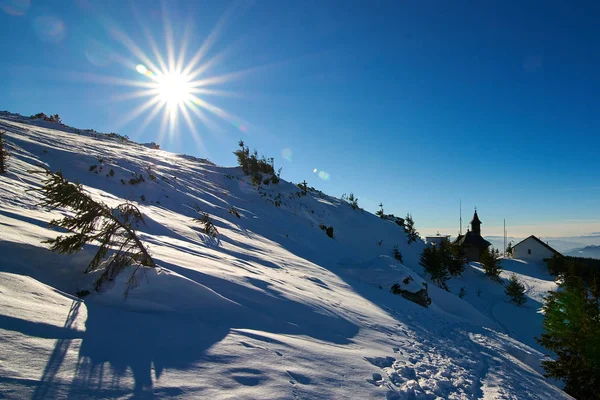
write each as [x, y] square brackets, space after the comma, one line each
[415, 104]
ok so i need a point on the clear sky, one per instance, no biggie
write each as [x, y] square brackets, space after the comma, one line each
[416, 104]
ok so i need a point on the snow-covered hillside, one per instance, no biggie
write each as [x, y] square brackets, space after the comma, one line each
[270, 309]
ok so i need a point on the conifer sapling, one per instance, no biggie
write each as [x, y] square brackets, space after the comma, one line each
[572, 333]
[409, 228]
[515, 290]
[95, 222]
[209, 228]
[509, 249]
[491, 264]
[380, 212]
[398, 255]
[3, 153]
[432, 263]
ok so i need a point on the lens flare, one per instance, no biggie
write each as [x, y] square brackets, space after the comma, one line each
[323, 175]
[315, 170]
[98, 54]
[15, 7]
[141, 69]
[49, 28]
[287, 154]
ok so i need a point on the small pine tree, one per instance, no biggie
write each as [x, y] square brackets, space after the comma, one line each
[458, 261]
[3, 153]
[327, 229]
[452, 257]
[509, 249]
[572, 332]
[462, 292]
[234, 211]
[353, 201]
[257, 179]
[276, 177]
[409, 228]
[209, 228]
[398, 255]
[253, 165]
[243, 154]
[431, 261]
[515, 290]
[304, 187]
[94, 221]
[380, 212]
[491, 264]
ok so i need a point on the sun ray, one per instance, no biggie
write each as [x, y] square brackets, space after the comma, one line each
[132, 47]
[215, 110]
[195, 135]
[212, 127]
[214, 60]
[150, 40]
[136, 112]
[149, 118]
[172, 120]
[134, 95]
[216, 92]
[224, 78]
[184, 44]
[157, 108]
[210, 40]
[163, 126]
[109, 80]
[168, 36]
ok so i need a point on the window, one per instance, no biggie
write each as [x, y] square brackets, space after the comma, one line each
[528, 251]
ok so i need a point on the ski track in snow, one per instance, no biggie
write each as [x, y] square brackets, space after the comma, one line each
[272, 308]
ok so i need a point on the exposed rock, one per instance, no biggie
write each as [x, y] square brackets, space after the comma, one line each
[421, 297]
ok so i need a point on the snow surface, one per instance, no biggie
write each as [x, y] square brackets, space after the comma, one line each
[270, 309]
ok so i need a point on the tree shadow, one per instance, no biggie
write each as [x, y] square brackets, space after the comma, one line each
[44, 390]
[145, 344]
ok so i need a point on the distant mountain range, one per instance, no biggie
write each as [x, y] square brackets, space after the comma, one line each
[587, 252]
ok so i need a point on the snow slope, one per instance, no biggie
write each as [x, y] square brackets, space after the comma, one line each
[272, 308]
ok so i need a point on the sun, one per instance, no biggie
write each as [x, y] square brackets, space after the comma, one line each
[170, 88]
[176, 86]
[173, 89]
[176, 90]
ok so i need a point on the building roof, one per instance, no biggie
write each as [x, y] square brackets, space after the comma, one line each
[437, 236]
[472, 239]
[475, 218]
[540, 242]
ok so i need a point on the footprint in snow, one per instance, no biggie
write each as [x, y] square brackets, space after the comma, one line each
[296, 377]
[381, 362]
[376, 380]
[247, 376]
